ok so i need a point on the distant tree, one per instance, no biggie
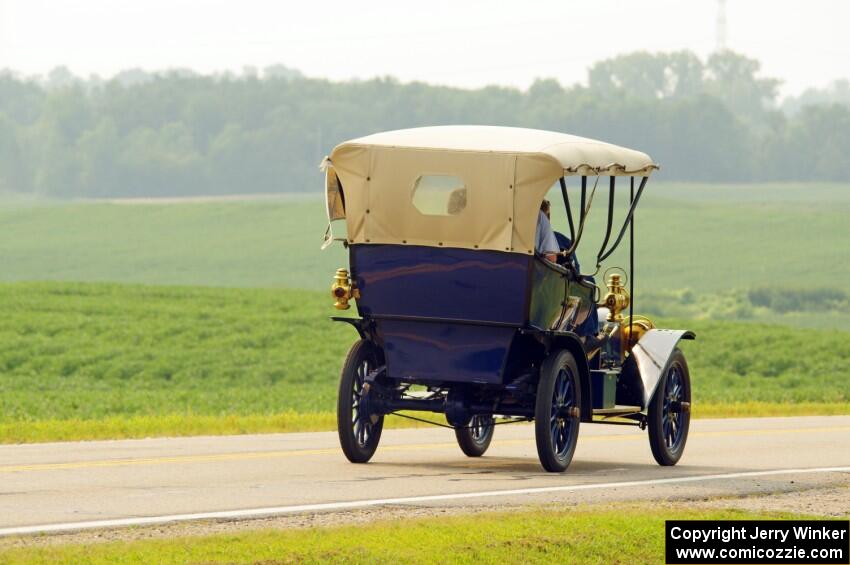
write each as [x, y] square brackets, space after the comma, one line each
[732, 78]
[61, 77]
[819, 143]
[98, 154]
[133, 77]
[55, 167]
[649, 75]
[685, 73]
[162, 162]
[837, 92]
[13, 174]
[281, 72]
[703, 140]
[640, 74]
[21, 100]
[179, 132]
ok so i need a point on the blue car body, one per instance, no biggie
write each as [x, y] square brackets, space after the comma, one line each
[455, 315]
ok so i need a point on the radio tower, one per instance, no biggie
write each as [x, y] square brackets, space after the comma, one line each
[721, 26]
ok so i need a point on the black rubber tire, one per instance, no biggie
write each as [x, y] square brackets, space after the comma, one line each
[359, 446]
[475, 439]
[552, 458]
[665, 453]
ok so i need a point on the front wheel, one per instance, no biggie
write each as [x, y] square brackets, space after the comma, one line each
[557, 411]
[475, 437]
[669, 415]
[359, 430]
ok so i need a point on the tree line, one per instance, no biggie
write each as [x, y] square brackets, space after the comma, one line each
[181, 133]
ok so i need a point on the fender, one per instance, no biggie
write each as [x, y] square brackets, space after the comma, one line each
[652, 353]
[359, 324]
[571, 342]
[574, 345]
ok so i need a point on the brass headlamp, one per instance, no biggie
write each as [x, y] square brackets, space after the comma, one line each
[617, 299]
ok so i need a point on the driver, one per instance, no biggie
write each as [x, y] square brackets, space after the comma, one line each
[545, 242]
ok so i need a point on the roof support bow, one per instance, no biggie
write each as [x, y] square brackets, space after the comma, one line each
[603, 254]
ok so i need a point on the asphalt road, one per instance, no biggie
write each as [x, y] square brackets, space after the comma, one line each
[69, 486]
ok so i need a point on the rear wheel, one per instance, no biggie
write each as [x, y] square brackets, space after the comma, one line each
[359, 430]
[557, 410]
[475, 438]
[669, 414]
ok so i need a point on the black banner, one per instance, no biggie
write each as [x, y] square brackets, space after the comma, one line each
[757, 541]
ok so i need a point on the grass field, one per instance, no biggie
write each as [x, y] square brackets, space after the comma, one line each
[104, 360]
[708, 238]
[626, 534]
[123, 360]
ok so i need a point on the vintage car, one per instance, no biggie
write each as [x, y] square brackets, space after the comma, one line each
[462, 313]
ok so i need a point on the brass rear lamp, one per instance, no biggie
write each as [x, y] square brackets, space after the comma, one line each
[342, 290]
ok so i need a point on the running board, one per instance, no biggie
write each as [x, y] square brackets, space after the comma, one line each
[616, 411]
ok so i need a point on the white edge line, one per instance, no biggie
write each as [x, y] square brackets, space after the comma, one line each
[349, 505]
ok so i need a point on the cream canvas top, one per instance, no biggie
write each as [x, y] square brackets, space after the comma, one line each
[503, 174]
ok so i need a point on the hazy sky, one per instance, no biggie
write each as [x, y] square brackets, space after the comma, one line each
[462, 43]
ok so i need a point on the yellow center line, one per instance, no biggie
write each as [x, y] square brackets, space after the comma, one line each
[255, 455]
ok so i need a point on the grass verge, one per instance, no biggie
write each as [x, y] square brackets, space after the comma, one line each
[630, 534]
[176, 425]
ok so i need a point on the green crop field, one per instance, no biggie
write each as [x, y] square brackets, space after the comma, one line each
[180, 360]
[244, 344]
